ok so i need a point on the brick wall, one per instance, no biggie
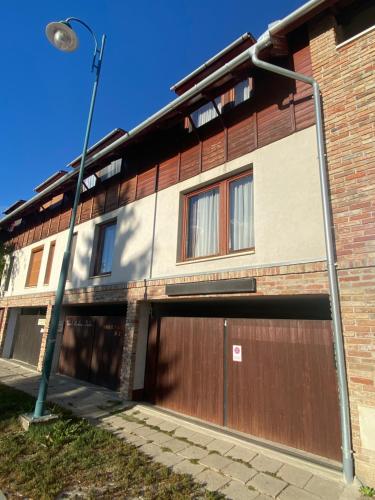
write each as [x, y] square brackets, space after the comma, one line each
[346, 77]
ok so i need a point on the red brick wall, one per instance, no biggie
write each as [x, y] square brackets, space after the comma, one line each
[346, 77]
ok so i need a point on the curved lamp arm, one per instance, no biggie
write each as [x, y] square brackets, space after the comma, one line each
[96, 49]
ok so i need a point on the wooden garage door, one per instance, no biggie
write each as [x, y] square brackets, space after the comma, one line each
[28, 338]
[284, 389]
[189, 366]
[92, 349]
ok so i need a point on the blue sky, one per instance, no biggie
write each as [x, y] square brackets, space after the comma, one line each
[44, 93]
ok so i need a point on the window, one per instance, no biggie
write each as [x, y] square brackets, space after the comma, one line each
[103, 174]
[72, 254]
[34, 267]
[355, 18]
[8, 273]
[218, 220]
[206, 113]
[51, 253]
[104, 248]
[242, 91]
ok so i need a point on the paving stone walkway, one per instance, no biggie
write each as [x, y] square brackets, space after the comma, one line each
[223, 463]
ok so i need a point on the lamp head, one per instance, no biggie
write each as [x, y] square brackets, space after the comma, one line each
[61, 36]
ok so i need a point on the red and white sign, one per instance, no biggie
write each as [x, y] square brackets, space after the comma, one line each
[237, 353]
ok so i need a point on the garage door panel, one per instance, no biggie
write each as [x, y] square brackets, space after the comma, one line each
[107, 351]
[284, 390]
[76, 349]
[28, 339]
[190, 367]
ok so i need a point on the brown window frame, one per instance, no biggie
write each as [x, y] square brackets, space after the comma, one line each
[51, 254]
[101, 228]
[33, 252]
[224, 211]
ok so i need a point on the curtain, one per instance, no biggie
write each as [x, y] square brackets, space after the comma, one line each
[241, 92]
[241, 214]
[107, 251]
[206, 113]
[203, 236]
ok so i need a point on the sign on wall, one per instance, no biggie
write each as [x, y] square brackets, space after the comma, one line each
[237, 353]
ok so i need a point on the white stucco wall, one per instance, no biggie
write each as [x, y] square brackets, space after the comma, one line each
[287, 217]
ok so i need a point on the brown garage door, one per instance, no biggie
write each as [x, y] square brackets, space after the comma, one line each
[189, 366]
[92, 348]
[285, 388]
[282, 387]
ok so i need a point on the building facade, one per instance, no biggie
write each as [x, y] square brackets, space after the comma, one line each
[198, 280]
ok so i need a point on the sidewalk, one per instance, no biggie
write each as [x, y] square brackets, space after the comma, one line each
[223, 463]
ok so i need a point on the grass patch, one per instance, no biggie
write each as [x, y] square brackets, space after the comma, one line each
[70, 455]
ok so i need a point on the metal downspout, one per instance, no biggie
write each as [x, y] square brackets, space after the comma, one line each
[347, 454]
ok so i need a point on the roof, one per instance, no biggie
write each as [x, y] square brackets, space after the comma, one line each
[194, 94]
[229, 52]
[13, 207]
[50, 180]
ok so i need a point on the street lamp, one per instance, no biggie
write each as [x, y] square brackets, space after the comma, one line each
[63, 37]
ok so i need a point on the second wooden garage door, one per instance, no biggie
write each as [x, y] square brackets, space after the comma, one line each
[283, 388]
[92, 349]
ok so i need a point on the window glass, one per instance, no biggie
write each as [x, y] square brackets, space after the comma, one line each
[241, 226]
[206, 113]
[241, 92]
[72, 254]
[106, 248]
[355, 18]
[203, 231]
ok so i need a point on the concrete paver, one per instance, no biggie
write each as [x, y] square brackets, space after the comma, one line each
[212, 480]
[187, 467]
[175, 445]
[267, 484]
[294, 493]
[200, 439]
[168, 459]
[262, 463]
[145, 431]
[220, 446]
[294, 475]
[183, 432]
[241, 453]
[193, 452]
[239, 471]
[167, 426]
[152, 450]
[324, 488]
[216, 461]
[237, 491]
[159, 437]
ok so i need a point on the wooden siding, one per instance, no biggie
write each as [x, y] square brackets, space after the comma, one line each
[277, 108]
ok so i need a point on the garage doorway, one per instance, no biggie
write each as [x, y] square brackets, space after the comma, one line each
[91, 348]
[28, 335]
[280, 387]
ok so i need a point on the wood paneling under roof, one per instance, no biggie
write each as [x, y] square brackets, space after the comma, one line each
[112, 197]
[190, 161]
[213, 146]
[98, 207]
[86, 208]
[146, 184]
[303, 101]
[242, 135]
[168, 172]
[128, 188]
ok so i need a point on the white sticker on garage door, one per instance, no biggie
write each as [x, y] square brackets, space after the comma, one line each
[237, 353]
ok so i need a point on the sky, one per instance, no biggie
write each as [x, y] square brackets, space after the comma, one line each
[45, 93]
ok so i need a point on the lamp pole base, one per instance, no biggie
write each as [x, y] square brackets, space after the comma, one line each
[27, 420]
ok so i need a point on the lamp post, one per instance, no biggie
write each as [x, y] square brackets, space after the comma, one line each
[62, 36]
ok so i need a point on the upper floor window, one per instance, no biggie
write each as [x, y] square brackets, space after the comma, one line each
[104, 248]
[355, 18]
[51, 253]
[239, 93]
[103, 174]
[218, 219]
[34, 267]
[72, 255]
[8, 274]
